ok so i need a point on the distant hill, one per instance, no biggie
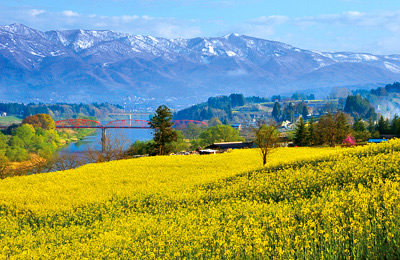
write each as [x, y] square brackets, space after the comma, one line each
[97, 66]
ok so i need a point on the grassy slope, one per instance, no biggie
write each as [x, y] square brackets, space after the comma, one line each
[337, 206]
[8, 120]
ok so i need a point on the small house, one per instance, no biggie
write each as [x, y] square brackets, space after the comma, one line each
[237, 126]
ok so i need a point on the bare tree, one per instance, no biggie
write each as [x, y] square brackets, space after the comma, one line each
[67, 160]
[114, 149]
[266, 137]
[39, 164]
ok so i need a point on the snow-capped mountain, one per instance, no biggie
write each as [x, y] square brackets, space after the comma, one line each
[90, 66]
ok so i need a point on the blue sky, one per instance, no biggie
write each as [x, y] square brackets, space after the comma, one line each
[370, 26]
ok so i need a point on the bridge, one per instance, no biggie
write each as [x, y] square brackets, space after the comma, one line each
[119, 124]
[133, 115]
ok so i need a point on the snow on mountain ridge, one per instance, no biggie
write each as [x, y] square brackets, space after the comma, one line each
[97, 63]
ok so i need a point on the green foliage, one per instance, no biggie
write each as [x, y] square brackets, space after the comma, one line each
[358, 125]
[214, 121]
[256, 100]
[22, 136]
[311, 138]
[193, 131]
[395, 126]
[342, 127]
[266, 138]
[64, 110]
[359, 107]
[195, 144]
[301, 133]
[276, 111]
[332, 130]
[180, 144]
[3, 142]
[302, 109]
[383, 126]
[4, 165]
[389, 88]
[140, 148]
[360, 131]
[219, 133]
[288, 112]
[220, 107]
[26, 139]
[371, 125]
[302, 96]
[17, 154]
[276, 98]
[237, 100]
[163, 134]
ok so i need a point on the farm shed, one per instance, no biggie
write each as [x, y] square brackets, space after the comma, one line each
[230, 145]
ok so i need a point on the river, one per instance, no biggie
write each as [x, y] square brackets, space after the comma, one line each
[95, 140]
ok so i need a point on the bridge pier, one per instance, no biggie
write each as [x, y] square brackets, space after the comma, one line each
[103, 140]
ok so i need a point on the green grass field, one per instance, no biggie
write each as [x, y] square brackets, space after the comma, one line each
[8, 120]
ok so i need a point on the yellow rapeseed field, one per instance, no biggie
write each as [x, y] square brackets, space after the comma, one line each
[309, 203]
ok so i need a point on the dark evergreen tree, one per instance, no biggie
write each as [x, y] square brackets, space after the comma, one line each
[276, 111]
[358, 125]
[237, 100]
[229, 112]
[302, 109]
[342, 128]
[383, 126]
[371, 125]
[163, 134]
[301, 134]
[311, 97]
[357, 106]
[395, 126]
[288, 112]
[311, 138]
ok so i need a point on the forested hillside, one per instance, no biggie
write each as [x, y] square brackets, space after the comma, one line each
[61, 110]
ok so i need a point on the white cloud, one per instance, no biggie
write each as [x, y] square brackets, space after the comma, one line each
[383, 20]
[273, 19]
[348, 31]
[70, 13]
[35, 12]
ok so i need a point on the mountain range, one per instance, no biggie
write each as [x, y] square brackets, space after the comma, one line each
[138, 71]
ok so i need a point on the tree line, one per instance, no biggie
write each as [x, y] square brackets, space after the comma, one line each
[220, 107]
[333, 129]
[30, 146]
[61, 110]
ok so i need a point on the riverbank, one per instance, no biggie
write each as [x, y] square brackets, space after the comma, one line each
[68, 136]
[40, 155]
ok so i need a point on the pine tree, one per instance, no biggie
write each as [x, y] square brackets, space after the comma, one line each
[358, 125]
[276, 111]
[395, 127]
[311, 138]
[383, 126]
[163, 134]
[342, 128]
[371, 125]
[301, 133]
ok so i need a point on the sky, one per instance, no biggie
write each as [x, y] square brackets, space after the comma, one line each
[367, 26]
